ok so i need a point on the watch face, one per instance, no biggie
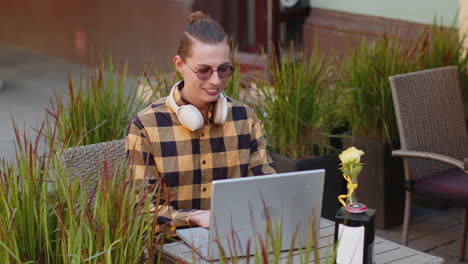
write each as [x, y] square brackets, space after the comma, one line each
[289, 3]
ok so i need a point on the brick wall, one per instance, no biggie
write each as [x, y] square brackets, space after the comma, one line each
[335, 31]
[138, 31]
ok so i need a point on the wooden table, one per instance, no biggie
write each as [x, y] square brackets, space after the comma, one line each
[384, 251]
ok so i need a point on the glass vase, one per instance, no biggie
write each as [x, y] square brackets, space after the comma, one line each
[352, 199]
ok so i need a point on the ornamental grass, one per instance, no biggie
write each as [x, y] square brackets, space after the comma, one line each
[97, 108]
[300, 107]
[364, 76]
[46, 217]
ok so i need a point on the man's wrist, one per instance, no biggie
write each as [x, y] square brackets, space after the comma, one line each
[192, 217]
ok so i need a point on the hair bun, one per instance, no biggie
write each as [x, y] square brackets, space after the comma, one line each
[198, 15]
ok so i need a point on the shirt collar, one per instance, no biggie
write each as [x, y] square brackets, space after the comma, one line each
[180, 101]
[178, 97]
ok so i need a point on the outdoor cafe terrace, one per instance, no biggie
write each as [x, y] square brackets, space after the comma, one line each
[30, 78]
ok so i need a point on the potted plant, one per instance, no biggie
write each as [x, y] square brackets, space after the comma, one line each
[47, 218]
[299, 107]
[370, 111]
[96, 108]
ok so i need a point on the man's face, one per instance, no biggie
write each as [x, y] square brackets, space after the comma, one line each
[204, 57]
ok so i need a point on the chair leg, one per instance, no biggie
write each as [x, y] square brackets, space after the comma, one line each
[408, 200]
[463, 235]
[406, 219]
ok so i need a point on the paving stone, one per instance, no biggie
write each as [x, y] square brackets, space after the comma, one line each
[453, 261]
[419, 213]
[433, 231]
[450, 250]
[394, 236]
[436, 239]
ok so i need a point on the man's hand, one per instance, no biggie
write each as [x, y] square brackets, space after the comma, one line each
[200, 218]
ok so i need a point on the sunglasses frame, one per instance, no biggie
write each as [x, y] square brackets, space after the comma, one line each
[211, 73]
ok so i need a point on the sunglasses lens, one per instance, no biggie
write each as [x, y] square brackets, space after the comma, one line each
[204, 74]
[224, 72]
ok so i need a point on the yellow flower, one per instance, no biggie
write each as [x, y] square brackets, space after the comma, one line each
[351, 166]
[351, 155]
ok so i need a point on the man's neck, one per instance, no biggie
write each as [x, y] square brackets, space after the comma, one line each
[202, 107]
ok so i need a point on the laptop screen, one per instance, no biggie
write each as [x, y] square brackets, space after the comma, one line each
[247, 212]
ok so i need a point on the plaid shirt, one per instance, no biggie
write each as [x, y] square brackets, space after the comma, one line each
[160, 148]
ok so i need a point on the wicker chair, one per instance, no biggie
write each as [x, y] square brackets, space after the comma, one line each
[433, 136]
[88, 162]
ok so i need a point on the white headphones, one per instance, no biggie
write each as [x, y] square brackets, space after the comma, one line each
[191, 118]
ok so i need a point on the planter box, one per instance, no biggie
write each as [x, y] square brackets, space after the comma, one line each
[381, 181]
[334, 186]
[334, 183]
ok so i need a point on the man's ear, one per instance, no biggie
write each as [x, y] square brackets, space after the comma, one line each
[178, 63]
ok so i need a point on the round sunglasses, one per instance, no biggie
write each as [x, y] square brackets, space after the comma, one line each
[205, 73]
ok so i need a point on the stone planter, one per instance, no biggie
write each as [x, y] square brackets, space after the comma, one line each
[334, 184]
[381, 181]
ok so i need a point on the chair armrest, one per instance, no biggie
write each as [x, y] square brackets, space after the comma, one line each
[466, 164]
[429, 155]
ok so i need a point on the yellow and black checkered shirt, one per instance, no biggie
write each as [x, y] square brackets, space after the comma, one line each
[160, 148]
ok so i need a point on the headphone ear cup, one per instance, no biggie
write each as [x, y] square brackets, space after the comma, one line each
[190, 117]
[220, 111]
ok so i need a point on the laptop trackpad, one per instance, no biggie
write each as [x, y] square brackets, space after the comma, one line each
[197, 238]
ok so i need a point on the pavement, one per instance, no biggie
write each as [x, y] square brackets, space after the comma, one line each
[29, 79]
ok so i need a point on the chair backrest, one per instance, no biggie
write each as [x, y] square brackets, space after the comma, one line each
[87, 163]
[283, 163]
[429, 111]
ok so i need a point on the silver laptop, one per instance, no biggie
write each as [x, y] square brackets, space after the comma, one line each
[242, 207]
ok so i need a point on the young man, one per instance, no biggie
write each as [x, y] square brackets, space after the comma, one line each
[195, 135]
